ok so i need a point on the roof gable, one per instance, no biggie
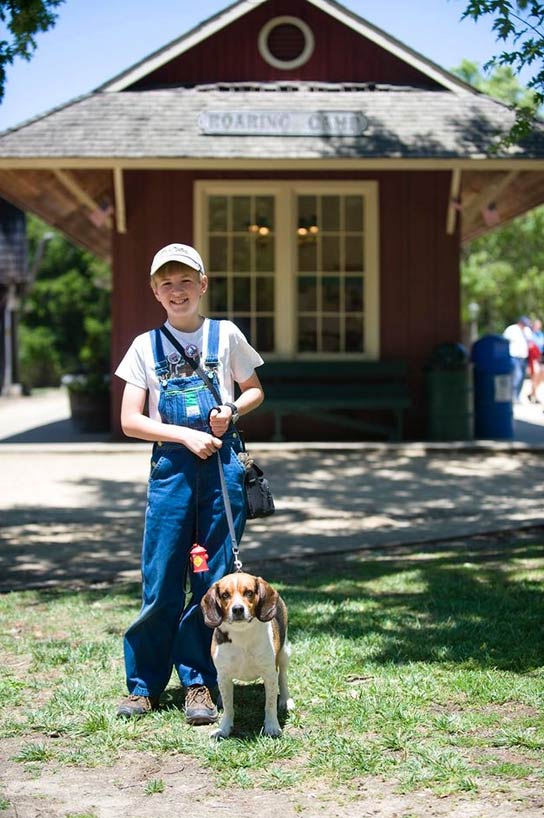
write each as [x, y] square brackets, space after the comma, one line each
[163, 66]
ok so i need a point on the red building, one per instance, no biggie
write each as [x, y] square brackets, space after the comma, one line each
[327, 173]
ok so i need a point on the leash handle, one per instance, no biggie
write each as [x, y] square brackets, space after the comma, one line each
[228, 512]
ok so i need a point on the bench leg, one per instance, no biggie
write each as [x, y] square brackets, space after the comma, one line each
[277, 436]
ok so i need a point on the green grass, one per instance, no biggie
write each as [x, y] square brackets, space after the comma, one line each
[422, 667]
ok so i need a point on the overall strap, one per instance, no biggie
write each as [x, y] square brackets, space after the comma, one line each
[212, 353]
[161, 364]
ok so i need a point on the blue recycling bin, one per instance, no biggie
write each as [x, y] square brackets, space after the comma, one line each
[493, 414]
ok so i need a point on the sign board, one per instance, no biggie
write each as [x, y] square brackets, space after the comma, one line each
[283, 123]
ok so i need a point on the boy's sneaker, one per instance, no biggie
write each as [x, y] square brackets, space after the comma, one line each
[137, 706]
[199, 707]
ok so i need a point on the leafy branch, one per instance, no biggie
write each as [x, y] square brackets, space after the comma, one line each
[23, 19]
[522, 24]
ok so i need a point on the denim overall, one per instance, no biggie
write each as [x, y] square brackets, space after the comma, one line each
[185, 505]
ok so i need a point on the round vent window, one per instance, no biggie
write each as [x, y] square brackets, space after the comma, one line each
[286, 42]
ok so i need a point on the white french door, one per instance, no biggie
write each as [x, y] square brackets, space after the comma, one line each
[293, 264]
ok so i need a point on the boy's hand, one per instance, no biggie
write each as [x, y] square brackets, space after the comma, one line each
[201, 443]
[220, 420]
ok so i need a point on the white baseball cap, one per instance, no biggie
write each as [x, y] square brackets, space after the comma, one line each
[183, 253]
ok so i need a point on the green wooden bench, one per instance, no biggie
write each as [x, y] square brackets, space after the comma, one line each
[322, 390]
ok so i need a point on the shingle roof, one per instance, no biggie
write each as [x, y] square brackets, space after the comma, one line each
[401, 123]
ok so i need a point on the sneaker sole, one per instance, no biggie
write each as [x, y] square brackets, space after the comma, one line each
[201, 718]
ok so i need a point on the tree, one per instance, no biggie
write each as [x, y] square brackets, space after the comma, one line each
[521, 24]
[23, 19]
[65, 320]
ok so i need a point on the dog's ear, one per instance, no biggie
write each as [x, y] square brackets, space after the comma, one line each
[209, 604]
[267, 605]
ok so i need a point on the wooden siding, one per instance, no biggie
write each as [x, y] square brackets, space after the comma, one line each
[340, 55]
[419, 277]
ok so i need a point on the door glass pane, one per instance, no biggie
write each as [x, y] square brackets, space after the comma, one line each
[330, 210]
[307, 293]
[241, 294]
[330, 253]
[217, 214]
[241, 213]
[354, 254]
[307, 256]
[264, 254]
[265, 334]
[331, 294]
[331, 334]
[241, 258]
[307, 334]
[354, 213]
[307, 211]
[265, 294]
[354, 333]
[243, 322]
[218, 294]
[218, 254]
[264, 211]
[354, 294]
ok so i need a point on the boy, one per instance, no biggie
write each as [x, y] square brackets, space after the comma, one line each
[193, 438]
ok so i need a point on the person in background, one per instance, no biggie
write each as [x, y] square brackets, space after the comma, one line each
[535, 345]
[516, 334]
[538, 334]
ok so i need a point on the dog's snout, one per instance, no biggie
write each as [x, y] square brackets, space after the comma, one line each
[237, 611]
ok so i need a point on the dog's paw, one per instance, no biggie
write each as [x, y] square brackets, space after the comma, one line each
[286, 704]
[272, 729]
[219, 734]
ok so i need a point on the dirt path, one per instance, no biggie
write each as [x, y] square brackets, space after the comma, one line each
[119, 792]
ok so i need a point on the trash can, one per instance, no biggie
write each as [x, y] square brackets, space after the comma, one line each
[493, 414]
[449, 394]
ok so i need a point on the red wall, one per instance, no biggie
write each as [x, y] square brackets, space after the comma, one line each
[419, 278]
[232, 55]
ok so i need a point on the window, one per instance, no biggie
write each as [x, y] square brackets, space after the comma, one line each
[294, 265]
[286, 42]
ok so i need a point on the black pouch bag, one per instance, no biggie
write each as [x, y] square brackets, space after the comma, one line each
[259, 500]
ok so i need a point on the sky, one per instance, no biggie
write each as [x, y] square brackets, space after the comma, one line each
[94, 40]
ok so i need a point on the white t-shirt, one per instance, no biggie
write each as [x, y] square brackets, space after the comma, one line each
[519, 347]
[237, 359]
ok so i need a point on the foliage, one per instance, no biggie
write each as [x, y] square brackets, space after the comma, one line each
[67, 308]
[503, 271]
[520, 26]
[23, 19]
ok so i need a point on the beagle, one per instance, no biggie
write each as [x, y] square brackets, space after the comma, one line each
[249, 641]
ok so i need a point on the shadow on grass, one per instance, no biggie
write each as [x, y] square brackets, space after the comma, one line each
[470, 603]
[433, 604]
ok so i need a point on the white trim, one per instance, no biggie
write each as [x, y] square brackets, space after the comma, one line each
[296, 163]
[237, 10]
[286, 192]
[453, 202]
[119, 195]
[285, 65]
